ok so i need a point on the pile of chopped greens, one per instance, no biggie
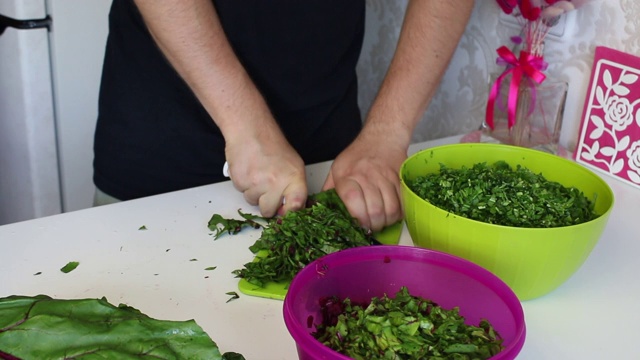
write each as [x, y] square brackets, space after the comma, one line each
[404, 327]
[498, 194]
[289, 243]
[40, 327]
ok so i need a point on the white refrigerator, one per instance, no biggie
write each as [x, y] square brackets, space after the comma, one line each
[51, 54]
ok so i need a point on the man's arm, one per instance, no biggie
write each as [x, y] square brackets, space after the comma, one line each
[262, 163]
[365, 175]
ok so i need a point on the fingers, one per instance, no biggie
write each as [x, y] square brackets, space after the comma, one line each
[294, 196]
[375, 206]
[374, 200]
[328, 183]
[353, 197]
[278, 196]
[269, 203]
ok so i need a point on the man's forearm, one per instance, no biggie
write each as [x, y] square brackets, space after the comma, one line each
[190, 35]
[429, 37]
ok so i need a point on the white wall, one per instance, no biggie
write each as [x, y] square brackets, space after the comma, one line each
[78, 41]
[29, 182]
[460, 102]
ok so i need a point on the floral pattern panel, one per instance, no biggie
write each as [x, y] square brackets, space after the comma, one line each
[610, 134]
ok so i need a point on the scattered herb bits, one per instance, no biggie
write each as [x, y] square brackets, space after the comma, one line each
[403, 327]
[499, 194]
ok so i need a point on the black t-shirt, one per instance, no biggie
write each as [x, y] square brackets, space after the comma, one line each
[152, 134]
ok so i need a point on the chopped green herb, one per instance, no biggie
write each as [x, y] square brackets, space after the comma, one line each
[498, 194]
[38, 273]
[211, 268]
[72, 265]
[234, 295]
[219, 225]
[290, 242]
[143, 227]
[404, 327]
[193, 260]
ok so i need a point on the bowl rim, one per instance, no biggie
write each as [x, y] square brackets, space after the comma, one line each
[309, 344]
[579, 167]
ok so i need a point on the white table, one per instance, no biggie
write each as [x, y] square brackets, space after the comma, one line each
[594, 315]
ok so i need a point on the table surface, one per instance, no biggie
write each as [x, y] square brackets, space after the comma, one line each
[593, 315]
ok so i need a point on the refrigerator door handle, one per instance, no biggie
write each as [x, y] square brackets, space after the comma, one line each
[6, 22]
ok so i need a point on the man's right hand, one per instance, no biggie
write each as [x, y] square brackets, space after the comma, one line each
[269, 172]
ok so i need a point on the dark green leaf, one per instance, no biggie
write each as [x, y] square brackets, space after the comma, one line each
[71, 265]
[232, 356]
[219, 225]
[143, 227]
[211, 268]
[234, 295]
[41, 327]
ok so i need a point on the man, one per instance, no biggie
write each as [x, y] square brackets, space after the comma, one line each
[266, 86]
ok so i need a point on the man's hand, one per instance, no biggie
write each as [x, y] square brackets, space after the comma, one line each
[365, 176]
[268, 171]
[262, 163]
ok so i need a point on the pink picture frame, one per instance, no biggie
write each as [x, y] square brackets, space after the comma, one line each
[609, 137]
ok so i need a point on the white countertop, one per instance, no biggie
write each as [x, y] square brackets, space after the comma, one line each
[594, 315]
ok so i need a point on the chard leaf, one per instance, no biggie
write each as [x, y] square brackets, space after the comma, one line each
[41, 327]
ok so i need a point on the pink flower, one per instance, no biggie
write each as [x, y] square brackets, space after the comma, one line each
[529, 10]
[537, 17]
[507, 5]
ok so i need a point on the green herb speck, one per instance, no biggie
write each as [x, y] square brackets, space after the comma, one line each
[234, 295]
[72, 265]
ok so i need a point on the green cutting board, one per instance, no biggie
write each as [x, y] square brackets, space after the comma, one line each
[388, 236]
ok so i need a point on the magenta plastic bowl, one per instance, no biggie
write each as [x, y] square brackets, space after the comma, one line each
[365, 272]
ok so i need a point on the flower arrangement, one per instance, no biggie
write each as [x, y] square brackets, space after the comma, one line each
[529, 121]
[537, 17]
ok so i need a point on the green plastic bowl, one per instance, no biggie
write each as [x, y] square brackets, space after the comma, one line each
[532, 261]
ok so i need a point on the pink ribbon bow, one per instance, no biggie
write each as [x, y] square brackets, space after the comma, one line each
[526, 65]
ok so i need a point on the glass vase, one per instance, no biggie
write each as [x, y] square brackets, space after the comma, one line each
[538, 113]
